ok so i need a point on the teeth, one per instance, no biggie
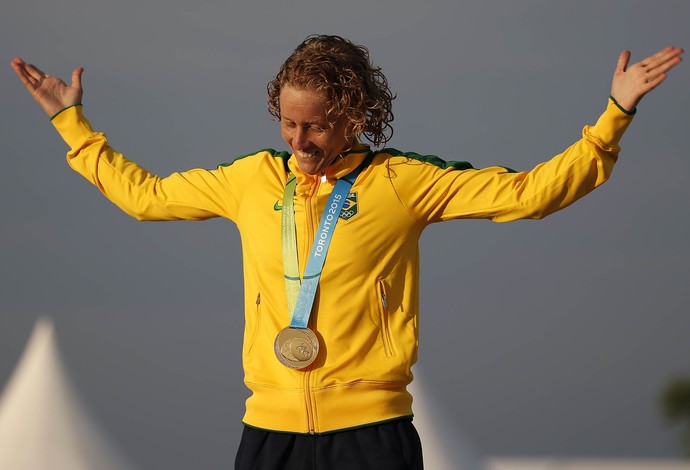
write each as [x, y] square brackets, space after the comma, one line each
[306, 155]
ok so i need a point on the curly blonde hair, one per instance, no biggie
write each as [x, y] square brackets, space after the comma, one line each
[343, 74]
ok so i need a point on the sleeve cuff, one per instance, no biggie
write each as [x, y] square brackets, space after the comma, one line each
[609, 128]
[73, 126]
[629, 113]
[63, 109]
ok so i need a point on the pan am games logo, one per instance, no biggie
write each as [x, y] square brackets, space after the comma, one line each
[350, 207]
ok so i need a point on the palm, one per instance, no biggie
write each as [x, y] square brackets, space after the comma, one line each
[54, 90]
[631, 83]
[50, 92]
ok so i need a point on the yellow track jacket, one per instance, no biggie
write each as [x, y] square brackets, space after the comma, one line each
[366, 310]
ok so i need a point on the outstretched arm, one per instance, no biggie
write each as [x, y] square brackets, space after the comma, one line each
[50, 92]
[631, 83]
[192, 195]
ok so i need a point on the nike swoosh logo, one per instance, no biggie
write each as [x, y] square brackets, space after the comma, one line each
[277, 206]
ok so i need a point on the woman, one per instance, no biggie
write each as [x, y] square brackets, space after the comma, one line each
[329, 237]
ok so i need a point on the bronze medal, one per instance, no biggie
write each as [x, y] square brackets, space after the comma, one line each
[296, 348]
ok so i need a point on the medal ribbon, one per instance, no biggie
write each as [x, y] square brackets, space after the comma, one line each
[301, 297]
[289, 239]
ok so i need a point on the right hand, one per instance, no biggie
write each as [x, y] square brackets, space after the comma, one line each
[50, 92]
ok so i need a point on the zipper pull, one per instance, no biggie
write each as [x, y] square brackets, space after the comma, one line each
[258, 298]
[383, 296]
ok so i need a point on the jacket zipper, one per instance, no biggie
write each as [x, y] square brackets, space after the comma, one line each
[311, 231]
[308, 402]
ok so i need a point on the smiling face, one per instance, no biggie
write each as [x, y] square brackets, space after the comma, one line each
[304, 125]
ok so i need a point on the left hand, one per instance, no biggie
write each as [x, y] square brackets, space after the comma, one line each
[630, 84]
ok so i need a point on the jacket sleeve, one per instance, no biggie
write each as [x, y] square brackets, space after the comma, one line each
[442, 192]
[192, 195]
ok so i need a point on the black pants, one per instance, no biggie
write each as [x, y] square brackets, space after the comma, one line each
[389, 446]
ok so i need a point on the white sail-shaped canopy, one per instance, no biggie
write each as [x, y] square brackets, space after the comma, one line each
[444, 445]
[42, 424]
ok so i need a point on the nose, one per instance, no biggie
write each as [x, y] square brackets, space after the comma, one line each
[300, 139]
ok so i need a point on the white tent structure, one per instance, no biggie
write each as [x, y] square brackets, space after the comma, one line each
[444, 445]
[42, 425]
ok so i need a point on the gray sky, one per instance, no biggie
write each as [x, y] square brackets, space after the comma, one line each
[555, 337]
